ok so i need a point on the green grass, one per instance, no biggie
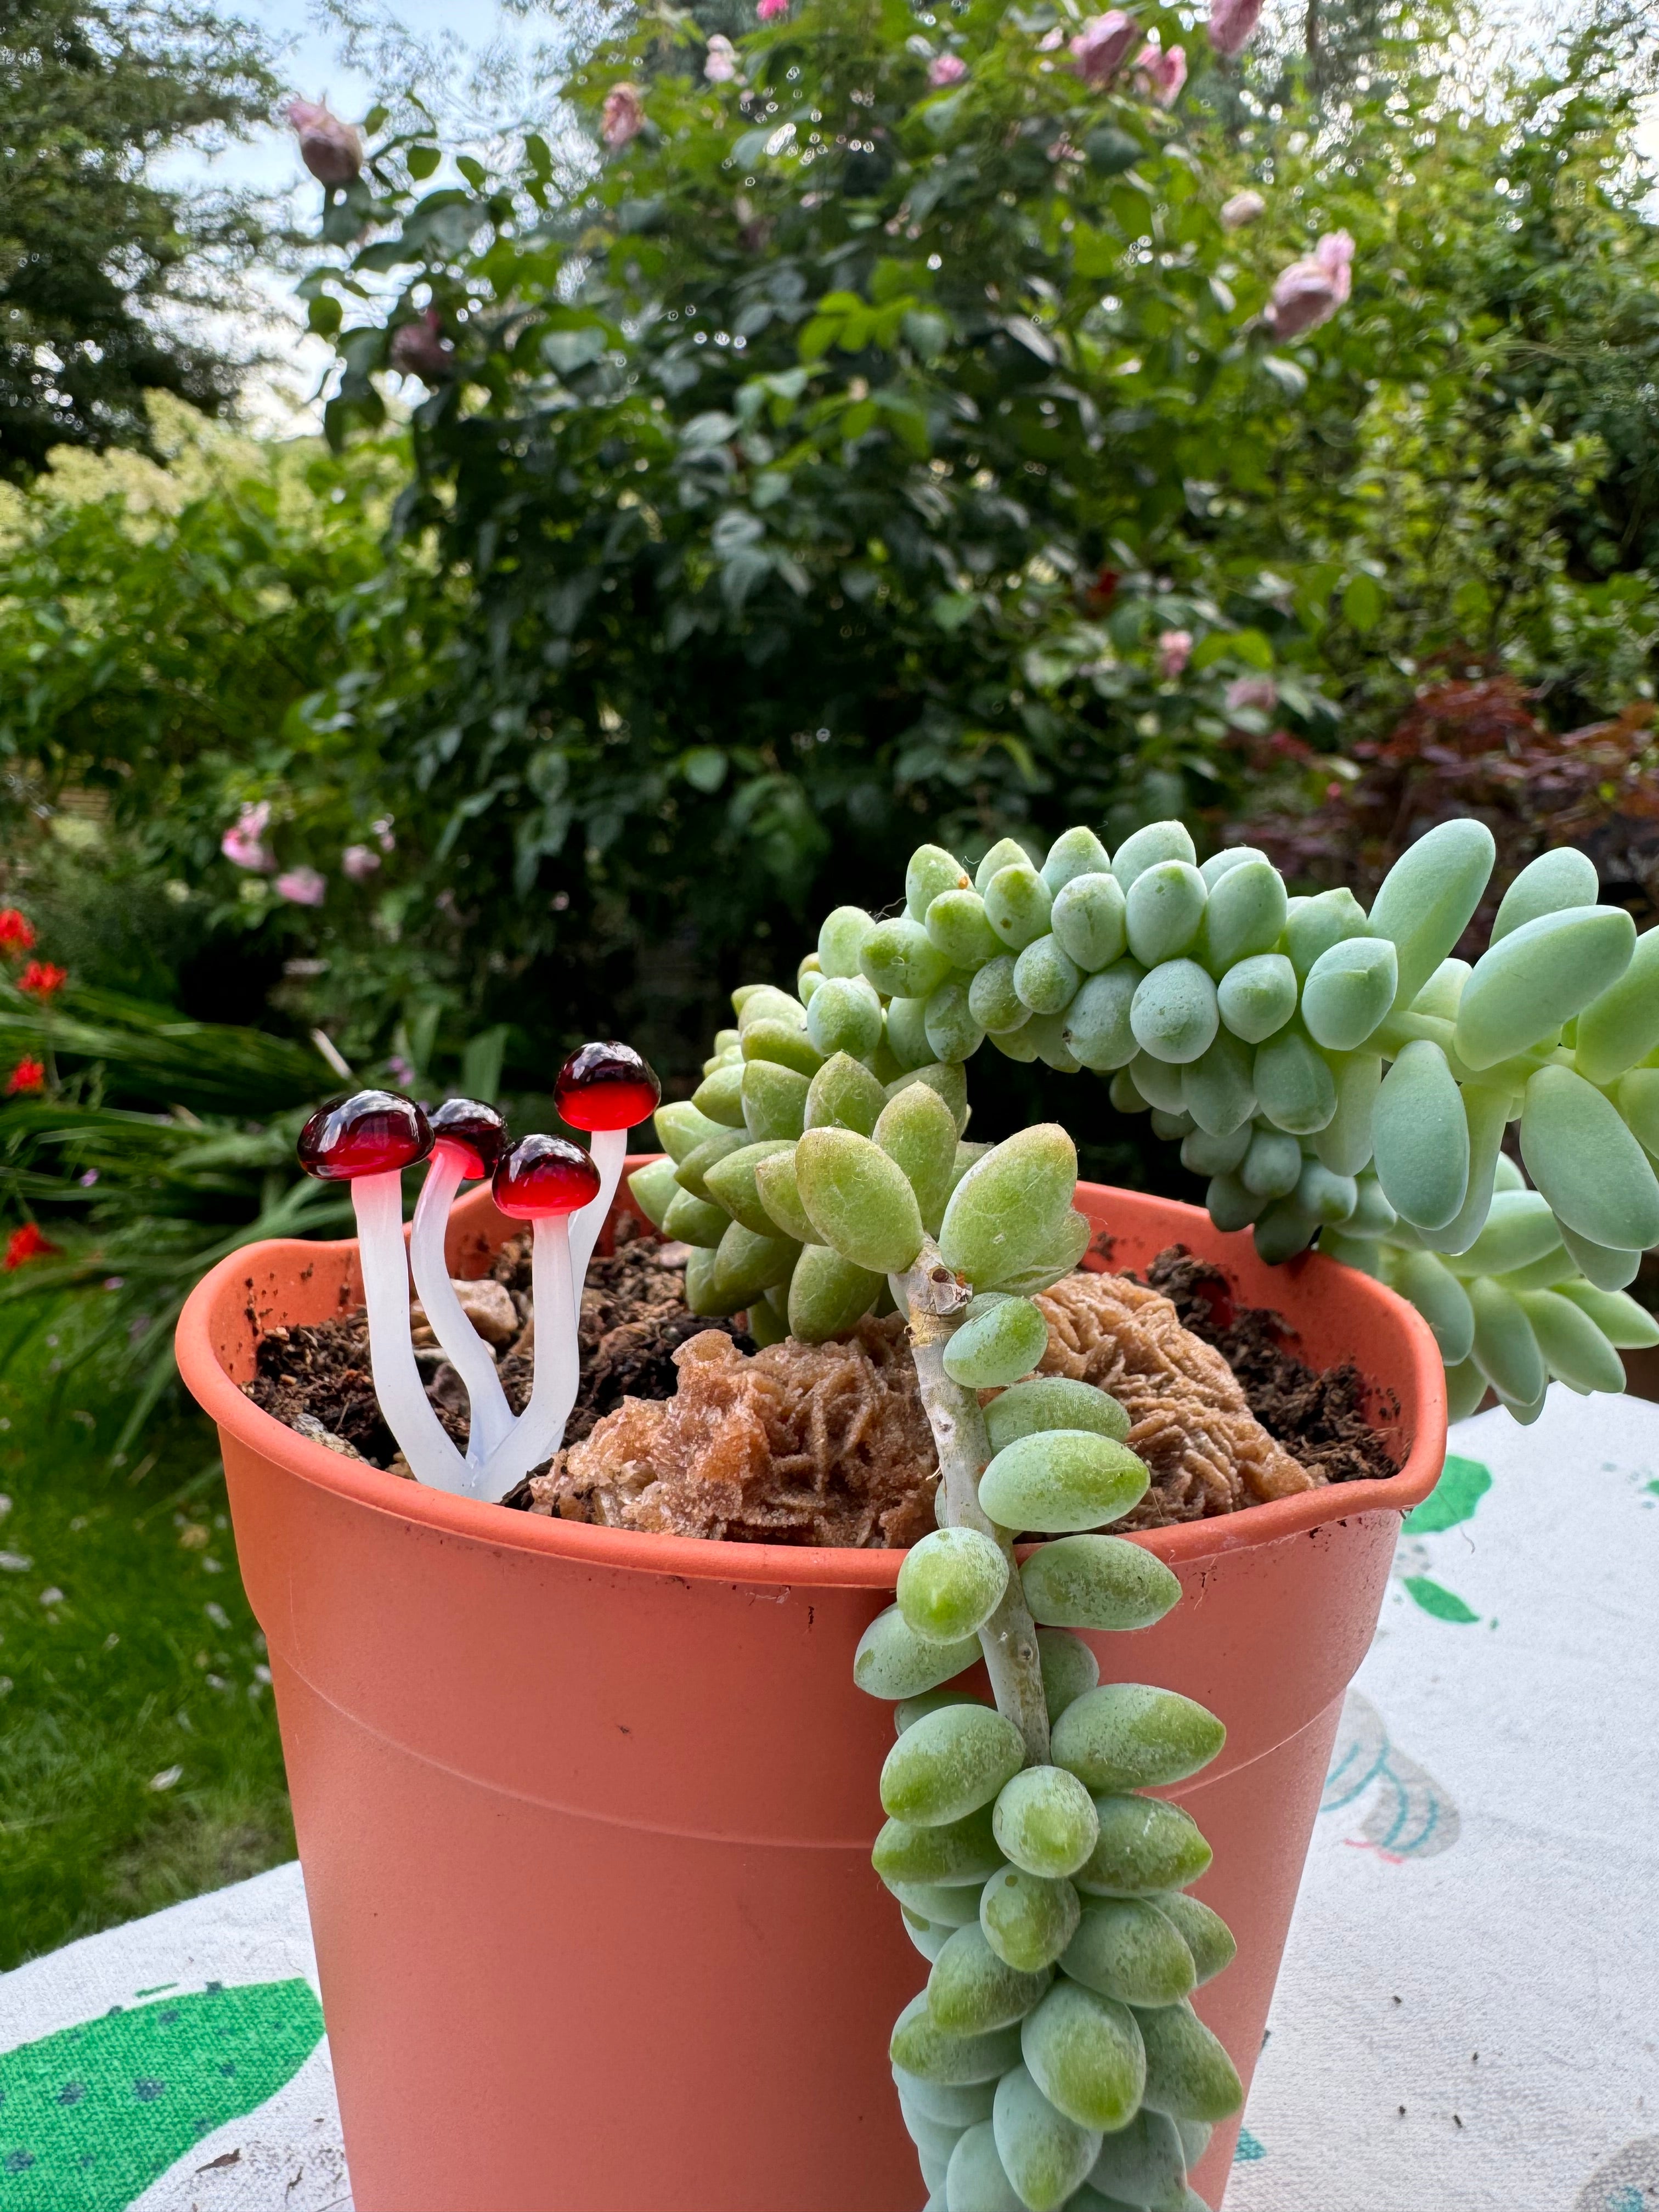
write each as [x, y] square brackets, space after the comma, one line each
[139, 1761]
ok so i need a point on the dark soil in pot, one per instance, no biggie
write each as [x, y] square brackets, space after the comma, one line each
[828, 1444]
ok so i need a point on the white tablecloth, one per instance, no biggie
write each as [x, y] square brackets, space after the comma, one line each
[1468, 2016]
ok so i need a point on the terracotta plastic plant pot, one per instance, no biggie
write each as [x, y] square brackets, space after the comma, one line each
[585, 1815]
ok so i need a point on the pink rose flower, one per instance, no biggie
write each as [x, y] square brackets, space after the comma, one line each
[302, 886]
[420, 349]
[949, 69]
[360, 862]
[770, 10]
[332, 150]
[1309, 292]
[1102, 46]
[719, 64]
[1175, 650]
[1244, 207]
[243, 844]
[1258, 692]
[1162, 72]
[624, 118]
[1231, 23]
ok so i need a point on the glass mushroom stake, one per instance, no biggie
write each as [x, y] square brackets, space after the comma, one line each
[369, 1139]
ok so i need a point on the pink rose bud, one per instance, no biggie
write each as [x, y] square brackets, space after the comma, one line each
[302, 886]
[949, 69]
[1175, 650]
[360, 862]
[720, 63]
[1243, 208]
[420, 349]
[332, 150]
[1308, 292]
[1231, 23]
[1258, 692]
[624, 118]
[770, 10]
[1162, 73]
[1102, 46]
[243, 844]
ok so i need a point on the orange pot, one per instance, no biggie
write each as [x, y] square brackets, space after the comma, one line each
[585, 1815]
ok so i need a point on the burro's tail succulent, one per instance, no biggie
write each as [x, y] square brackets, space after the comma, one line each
[1338, 1077]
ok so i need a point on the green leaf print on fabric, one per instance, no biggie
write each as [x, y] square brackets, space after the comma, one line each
[91, 2116]
[1461, 1488]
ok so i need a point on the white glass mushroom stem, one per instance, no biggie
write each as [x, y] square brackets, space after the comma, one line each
[540, 1428]
[608, 1150]
[379, 1201]
[465, 1350]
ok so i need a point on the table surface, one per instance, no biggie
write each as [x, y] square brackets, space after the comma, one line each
[1466, 2018]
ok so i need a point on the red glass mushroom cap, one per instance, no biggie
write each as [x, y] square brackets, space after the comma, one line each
[606, 1086]
[544, 1175]
[472, 1128]
[373, 1133]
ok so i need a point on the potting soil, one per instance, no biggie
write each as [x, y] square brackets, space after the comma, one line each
[828, 1444]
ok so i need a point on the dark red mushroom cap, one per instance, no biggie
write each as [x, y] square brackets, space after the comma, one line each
[373, 1133]
[474, 1129]
[544, 1175]
[606, 1086]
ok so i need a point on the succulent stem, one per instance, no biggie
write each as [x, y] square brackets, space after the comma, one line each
[934, 1298]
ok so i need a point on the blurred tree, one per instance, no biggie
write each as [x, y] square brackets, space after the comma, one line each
[93, 251]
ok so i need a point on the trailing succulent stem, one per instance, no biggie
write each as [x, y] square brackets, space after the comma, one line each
[934, 1299]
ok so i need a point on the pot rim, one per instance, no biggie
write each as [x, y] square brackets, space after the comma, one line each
[720, 1559]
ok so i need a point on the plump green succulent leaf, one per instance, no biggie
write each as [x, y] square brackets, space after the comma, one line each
[1429, 898]
[1046, 1822]
[774, 1100]
[1045, 2155]
[1009, 1205]
[1060, 1480]
[1145, 848]
[681, 1128]
[829, 1296]
[1143, 2164]
[1125, 1947]
[1538, 977]
[1579, 1152]
[1256, 999]
[950, 1583]
[691, 1220]
[1189, 2076]
[730, 1182]
[1145, 1845]
[1421, 1137]
[845, 1016]
[718, 1097]
[1026, 1918]
[1621, 1024]
[1085, 2054]
[1098, 1581]
[917, 1130]
[1053, 1402]
[949, 1765]
[1001, 1339]
[1096, 1027]
[1556, 879]
[858, 1201]
[655, 1189]
[1017, 904]
[1175, 1012]
[1127, 1735]
[1206, 1934]
[921, 2047]
[1313, 926]
[892, 1660]
[1349, 991]
[1246, 914]
[1442, 1301]
[1090, 918]
[844, 1094]
[1069, 1668]
[971, 1991]
[745, 1264]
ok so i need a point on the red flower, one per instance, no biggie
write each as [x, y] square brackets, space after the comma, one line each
[42, 978]
[16, 933]
[27, 1075]
[25, 1243]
